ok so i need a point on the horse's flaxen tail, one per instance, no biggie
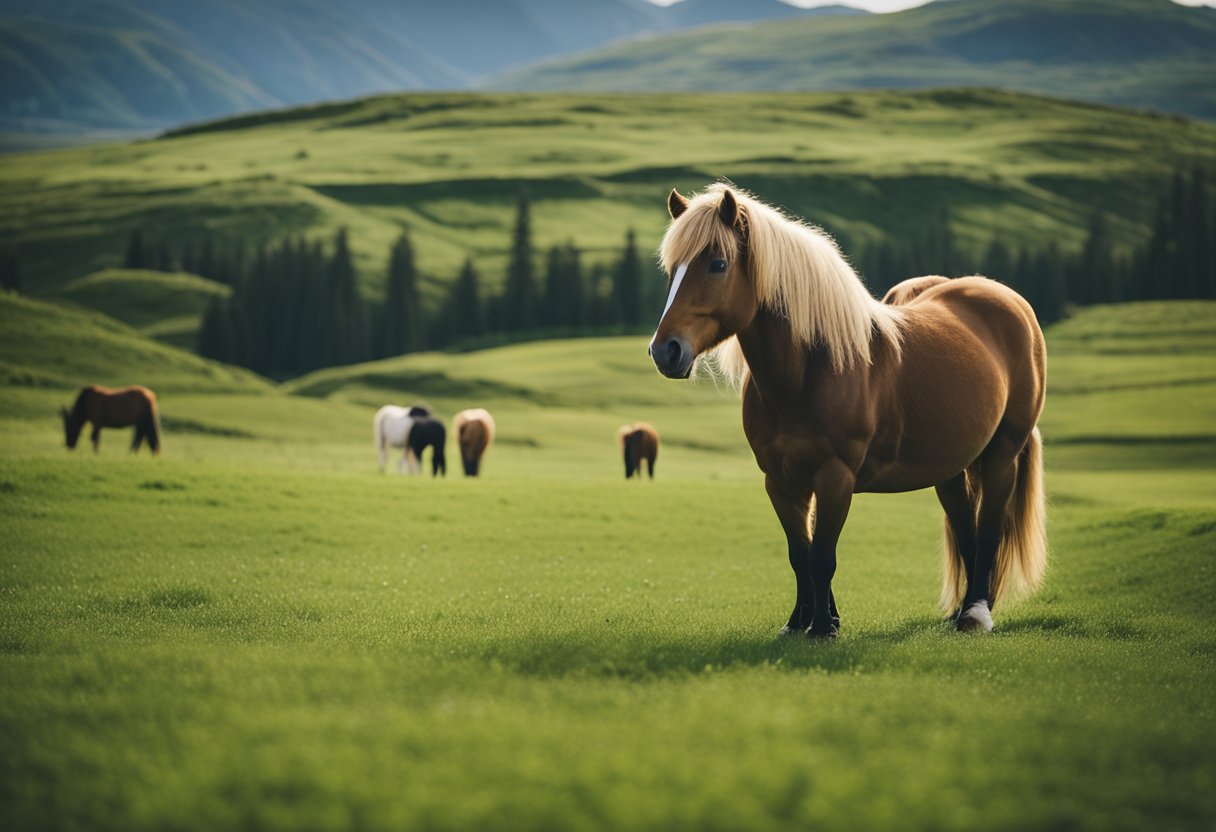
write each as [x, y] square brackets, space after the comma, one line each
[1021, 560]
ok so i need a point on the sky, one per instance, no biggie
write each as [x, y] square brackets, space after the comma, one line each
[897, 5]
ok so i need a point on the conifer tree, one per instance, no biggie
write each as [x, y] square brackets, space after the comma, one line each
[136, 256]
[402, 323]
[215, 332]
[346, 330]
[628, 282]
[519, 293]
[464, 312]
[10, 275]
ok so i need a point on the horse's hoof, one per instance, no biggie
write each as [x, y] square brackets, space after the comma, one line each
[976, 618]
[787, 631]
[829, 634]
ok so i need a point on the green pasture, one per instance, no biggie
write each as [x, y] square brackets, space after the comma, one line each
[450, 168]
[258, 630]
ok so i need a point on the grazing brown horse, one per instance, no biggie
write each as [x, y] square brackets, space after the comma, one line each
[843, 394]
[639, 442]
[107, 408]
[474, 431]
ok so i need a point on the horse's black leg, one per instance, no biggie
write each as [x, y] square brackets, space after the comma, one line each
[138, 439]
[997, 476]
[96, 437]
[960, 514]
[650, 467]
[834, 609]
[833, 497]
[793, 505]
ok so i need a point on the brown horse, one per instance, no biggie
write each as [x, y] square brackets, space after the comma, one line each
[640, 442]
[843, 394]
[107, 408]
[474, 431]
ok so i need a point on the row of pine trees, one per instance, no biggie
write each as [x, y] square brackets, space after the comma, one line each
[1178, 260]
[296, 306]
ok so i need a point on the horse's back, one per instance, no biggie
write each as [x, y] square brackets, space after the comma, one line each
[392, 425]
[117, 407]
[1002, 320]
[477, 422]
[648, 440]
[905, 292]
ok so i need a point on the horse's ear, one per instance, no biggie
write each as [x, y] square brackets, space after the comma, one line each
[728, 209]
[676, 204]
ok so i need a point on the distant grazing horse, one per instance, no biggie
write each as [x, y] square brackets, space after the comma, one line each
[639, 442]
[107, 408]
[428, 432]
[391, 425]
[843, 394]
[474, 431]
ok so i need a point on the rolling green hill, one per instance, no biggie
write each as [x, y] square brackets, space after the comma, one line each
[1150, 54]
[47, 345]
[163, 305]
[450, 168]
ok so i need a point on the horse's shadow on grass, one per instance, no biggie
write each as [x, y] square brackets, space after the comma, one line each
[628, 654]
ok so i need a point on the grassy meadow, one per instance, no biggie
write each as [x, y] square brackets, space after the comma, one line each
[450, 167]
[258, 630]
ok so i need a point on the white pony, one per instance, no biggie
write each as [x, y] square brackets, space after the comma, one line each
[392, 426]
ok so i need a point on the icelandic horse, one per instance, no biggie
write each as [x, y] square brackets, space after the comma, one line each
[107, 408]
[474, 429]
[842, 394]
[391, 428]
[429, 432]
[640, 443]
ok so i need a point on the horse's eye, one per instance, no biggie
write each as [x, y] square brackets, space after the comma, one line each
[717, 266]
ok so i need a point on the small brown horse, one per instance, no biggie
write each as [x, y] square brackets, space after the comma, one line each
[107, 408]
[474, 431]
[640, 442]
[940, 388]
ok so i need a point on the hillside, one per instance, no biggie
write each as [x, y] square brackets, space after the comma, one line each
[140, 65]
[44, 345]
[163, 305]
[1150, 54]
[450, 168]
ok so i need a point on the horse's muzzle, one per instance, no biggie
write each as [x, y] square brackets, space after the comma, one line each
[673, 357]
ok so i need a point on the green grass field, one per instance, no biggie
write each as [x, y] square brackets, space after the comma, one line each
[450, 168]
[259, 630]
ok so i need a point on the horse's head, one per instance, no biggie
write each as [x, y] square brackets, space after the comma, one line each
[710, 296]
[71, 427]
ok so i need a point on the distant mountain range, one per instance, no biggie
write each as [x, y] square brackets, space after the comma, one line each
[139, 65]
[1141, 53]
[136, 66]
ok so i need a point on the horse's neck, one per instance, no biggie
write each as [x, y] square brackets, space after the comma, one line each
[779, 367]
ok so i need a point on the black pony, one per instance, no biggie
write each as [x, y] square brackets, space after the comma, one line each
[429, 433]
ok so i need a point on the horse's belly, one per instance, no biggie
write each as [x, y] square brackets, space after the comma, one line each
[896, 478]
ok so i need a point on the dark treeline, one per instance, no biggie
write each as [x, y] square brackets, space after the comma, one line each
[10, 277]
[1178, 260]
[295, 305]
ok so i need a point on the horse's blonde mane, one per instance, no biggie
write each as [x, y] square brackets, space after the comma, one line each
[797, 271]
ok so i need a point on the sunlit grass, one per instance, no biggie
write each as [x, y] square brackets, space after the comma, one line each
[260, 630]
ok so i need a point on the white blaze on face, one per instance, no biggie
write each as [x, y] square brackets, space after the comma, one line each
[671, 296]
